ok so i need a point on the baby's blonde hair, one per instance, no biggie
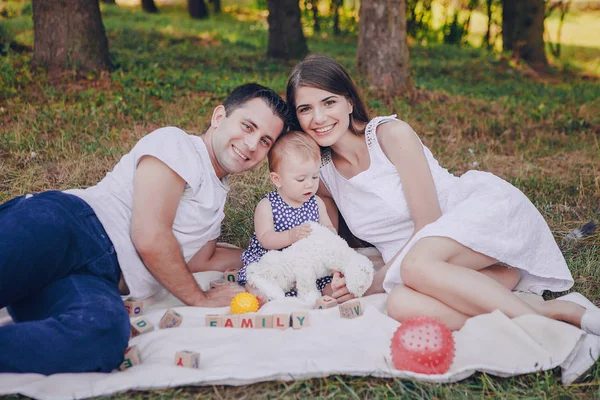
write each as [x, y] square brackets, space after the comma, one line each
[293, 142]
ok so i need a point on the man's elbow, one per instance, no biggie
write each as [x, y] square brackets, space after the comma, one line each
[146, 241]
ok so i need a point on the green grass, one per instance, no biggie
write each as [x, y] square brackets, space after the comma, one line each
[541, 133]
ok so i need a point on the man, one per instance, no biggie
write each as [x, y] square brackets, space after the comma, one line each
[150, 223]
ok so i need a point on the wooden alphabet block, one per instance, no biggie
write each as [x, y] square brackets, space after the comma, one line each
[214, 320]
[246, 321]
[300, 319]
[351, 309]
[281, 321]
[131, 358]
[263, 321]
[188, 359]
[219, 282]
[230, 275]
[171, 319]
[325, 302]
[231, 321]
[134, 308]
[141, 326]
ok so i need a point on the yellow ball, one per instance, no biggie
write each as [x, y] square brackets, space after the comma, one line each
[244, 303]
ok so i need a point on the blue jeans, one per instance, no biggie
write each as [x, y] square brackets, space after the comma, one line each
[59, 278]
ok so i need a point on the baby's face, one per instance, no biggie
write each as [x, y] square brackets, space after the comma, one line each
[298, 179]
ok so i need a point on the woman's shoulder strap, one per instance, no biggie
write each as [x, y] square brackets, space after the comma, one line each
[371, 128]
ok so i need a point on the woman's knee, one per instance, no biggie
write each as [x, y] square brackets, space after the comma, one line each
[415, 269]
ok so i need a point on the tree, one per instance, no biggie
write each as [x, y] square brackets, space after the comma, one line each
[527, 38]
[509, 24]
[149, 6]
[313, 5]
[216, 6]
[335, 7]
[197, 9]
[382, 46]
[69, 34]
[286, 39]
[488, 32]
[109, 1]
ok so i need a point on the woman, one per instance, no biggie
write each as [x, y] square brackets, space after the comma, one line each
[454, 247]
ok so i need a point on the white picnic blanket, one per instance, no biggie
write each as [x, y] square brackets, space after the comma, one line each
[491, 343]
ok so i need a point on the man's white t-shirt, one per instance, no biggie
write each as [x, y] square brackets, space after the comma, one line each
[199, 214]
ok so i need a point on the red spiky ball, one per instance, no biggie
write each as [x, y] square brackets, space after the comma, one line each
[423, 345]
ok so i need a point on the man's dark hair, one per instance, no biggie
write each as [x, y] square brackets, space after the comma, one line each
[249, 91]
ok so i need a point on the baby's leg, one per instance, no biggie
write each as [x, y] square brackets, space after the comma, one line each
[270, 290]
[262, 298]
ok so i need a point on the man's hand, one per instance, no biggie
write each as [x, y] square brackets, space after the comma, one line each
[220, 296]
[340, 291]
[299, 232]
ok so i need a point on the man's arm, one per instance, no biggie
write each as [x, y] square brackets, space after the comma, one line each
[156, 195]
[214, 257]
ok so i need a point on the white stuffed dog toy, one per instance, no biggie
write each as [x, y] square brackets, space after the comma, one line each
[302, 263]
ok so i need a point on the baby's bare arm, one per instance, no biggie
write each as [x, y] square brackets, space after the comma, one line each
[265, 230]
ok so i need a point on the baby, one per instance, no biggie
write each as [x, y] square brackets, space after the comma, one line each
[281, 217]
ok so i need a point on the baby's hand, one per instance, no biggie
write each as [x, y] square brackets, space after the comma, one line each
[299, 232]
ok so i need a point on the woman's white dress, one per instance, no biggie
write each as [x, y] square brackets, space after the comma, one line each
[479, 210]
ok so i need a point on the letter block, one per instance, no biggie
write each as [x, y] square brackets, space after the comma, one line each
[131, 358]
[230, 275]
[263, 321]
[246, 321]
[281, 321]
[231, 321]
[214, 320]
[141, 326]
[188, 359]
[324, 302]
[300, 319]
[351, 309]
[134, 308]
[171, 319]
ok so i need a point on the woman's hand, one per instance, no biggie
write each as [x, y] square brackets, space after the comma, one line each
[339, 290]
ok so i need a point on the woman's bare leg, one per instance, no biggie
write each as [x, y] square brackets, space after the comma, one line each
[404, 303]
[427, 269]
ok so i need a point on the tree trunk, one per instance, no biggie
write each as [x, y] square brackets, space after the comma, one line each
[197, 9]
[382, 46]
[488, 32]
[530, 33]
[335, 10]
[509, 24]
[314, 7]
[69, 34]
[286, 39]
[109, 1]
[149, 6]
[216, 6]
